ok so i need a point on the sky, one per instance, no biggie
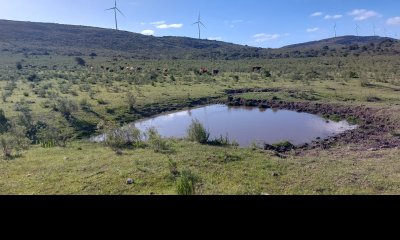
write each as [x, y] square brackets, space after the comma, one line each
[261, 23]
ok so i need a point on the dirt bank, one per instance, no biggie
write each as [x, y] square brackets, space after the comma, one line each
[377, 126]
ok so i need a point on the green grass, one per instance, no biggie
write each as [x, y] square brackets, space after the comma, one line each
[221, 169]
[97, 170]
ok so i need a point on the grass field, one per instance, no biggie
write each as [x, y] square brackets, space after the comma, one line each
[94, 94]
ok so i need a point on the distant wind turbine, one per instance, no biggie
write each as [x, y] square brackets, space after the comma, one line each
[334, 28]
[357, 28]
[115, 14]
[199, 24]
[373, 25]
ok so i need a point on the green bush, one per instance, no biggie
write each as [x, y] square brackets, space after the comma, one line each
[156, 142]
[186, 183]
[14, 141]
[66, 107]
[122, 138]
[197, 133]
[4, 123]
[51, 137]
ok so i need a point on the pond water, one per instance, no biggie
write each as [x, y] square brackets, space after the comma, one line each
[246, 125]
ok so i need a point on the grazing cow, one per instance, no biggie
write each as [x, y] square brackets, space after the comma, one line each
[215, 72]
[165, 71]
[203, 70]
[121, 68]
[257, 69]
[139, 69]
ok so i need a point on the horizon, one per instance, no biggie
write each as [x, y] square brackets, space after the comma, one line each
[238, 23]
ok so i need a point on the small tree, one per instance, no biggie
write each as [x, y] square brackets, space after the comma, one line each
[197, 133]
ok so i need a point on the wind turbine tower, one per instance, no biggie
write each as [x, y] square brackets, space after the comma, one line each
[357, 29]
[334, 28]
[199, 24]
[115, 8]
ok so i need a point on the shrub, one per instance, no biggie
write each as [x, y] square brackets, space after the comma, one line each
[185, 185]
[173, 168]
[131, 99]
[66, 107]
[19, 66]
[121, 138]
[197, 133]
[80, 61]
[353, 75]
[4, 123]
[156, 142]
[33, 78]
[85, 105]
[14, 141]
[51, 136]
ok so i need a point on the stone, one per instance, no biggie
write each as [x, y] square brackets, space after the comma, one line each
[129, 181]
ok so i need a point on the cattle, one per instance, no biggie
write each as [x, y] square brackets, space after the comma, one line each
[257, 69]
[139, 69]
[165, 71]
[215, 72]
[203, 70]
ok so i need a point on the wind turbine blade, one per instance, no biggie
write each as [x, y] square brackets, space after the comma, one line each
[202, 24]
[195, 23]
[109, 9]
[120, 12]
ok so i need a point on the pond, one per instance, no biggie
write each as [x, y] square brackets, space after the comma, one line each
[247, 125]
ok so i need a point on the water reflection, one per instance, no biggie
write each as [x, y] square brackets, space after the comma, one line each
[248, 124]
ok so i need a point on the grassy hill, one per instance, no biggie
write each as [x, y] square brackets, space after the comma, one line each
[48, 38]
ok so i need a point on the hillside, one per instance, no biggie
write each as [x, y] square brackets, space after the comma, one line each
[47, 38]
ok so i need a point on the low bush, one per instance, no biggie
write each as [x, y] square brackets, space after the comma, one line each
[197, 133]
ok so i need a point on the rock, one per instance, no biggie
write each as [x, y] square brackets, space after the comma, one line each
[66, 158]
[129, 181]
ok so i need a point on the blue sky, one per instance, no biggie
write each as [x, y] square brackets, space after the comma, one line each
[262, 23]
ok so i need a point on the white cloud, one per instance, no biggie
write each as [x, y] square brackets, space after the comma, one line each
[337, 16]
[147, 32]
[175, 25]
[363, 14]
[215, 38]
[157, 23]
[263, 37]
[309, 30]
[237, 21]
[316, 14]
[393, 21]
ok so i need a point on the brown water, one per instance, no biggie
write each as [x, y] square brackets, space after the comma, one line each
[246, 125]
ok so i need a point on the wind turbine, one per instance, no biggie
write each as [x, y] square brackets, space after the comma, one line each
[357, 28]
[334, 28]
[115, 14]
[199, 24]
[373, 25]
